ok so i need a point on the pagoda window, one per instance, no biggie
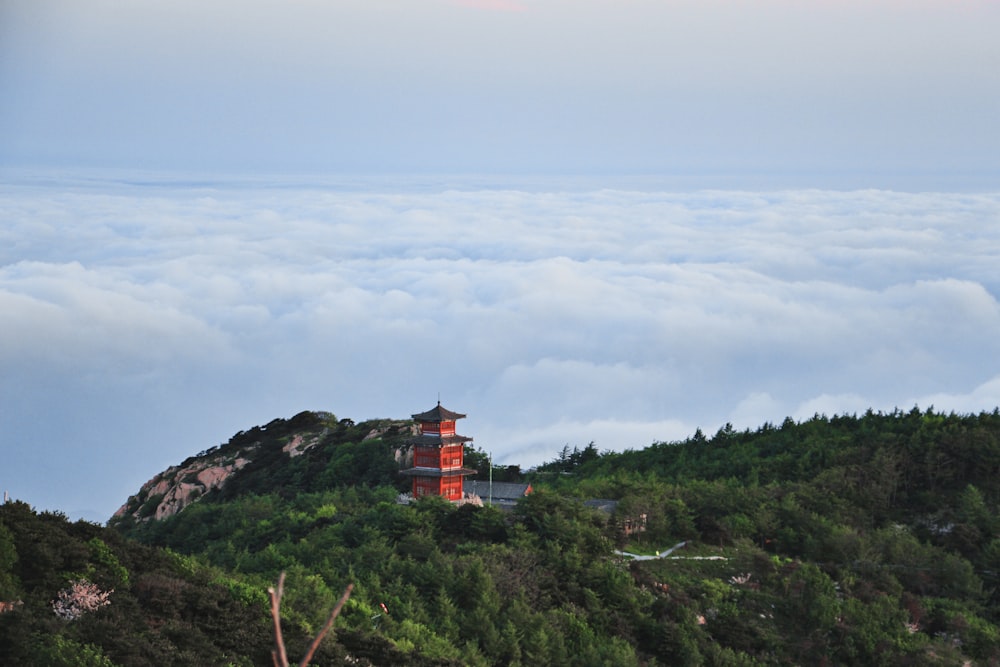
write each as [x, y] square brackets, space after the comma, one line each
[426, 487]
[425, 457]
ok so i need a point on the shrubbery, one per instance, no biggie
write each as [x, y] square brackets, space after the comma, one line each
[851, 540]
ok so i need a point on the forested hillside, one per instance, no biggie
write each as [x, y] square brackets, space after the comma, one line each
[870, 540]
[79, 595]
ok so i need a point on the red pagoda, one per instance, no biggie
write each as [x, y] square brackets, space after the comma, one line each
[438, 455]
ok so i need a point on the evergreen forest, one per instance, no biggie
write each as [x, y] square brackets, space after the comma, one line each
[845, 540]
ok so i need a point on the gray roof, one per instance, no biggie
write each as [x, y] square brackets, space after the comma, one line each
[437, 472]
[430, 439]
[501, 490]
[437, 414]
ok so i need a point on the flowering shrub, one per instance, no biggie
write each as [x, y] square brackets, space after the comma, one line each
[740, 579]
[80, 598]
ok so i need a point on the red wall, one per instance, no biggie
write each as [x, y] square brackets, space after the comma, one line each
[451, 456]
[449, 487]
[439, 458]
[433, 428]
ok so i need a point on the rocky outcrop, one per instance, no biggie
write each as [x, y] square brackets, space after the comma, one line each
[178, 486]
[298, 445]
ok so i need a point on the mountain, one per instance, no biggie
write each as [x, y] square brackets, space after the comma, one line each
[311, 451]
[853, 540]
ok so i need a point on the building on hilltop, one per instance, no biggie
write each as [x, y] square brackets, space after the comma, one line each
[438, 455]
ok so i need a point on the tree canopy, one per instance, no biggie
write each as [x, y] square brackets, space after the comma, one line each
[868, 539]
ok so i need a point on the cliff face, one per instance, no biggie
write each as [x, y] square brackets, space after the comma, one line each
[176, 487]
[263, 449]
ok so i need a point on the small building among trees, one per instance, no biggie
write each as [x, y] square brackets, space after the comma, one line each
[499, 494]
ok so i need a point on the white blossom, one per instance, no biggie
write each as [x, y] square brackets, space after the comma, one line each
[79, 598]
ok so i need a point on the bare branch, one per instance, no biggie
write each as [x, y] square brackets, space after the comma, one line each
[279, 655]
[329, 624]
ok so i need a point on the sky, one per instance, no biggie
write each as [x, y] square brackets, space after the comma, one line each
[576, 221]
[836, 93]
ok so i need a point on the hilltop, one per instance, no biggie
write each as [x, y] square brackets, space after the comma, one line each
[309, 452]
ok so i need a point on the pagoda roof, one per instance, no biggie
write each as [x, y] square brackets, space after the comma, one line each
[438, 414]
[437, 472]
[432, 439]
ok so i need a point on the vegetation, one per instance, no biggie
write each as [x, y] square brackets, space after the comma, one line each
[871, 540]
[161, 608]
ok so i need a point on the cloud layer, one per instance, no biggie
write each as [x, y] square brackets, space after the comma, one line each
[146, 319]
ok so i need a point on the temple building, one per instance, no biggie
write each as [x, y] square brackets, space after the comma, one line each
[438, 455]
[498, 494]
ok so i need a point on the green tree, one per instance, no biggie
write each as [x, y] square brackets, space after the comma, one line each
[59, 651]
[8, 558]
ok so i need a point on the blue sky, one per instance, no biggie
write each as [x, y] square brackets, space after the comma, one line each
[575, 221]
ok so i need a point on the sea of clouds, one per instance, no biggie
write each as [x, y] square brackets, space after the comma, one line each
[145, 319]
